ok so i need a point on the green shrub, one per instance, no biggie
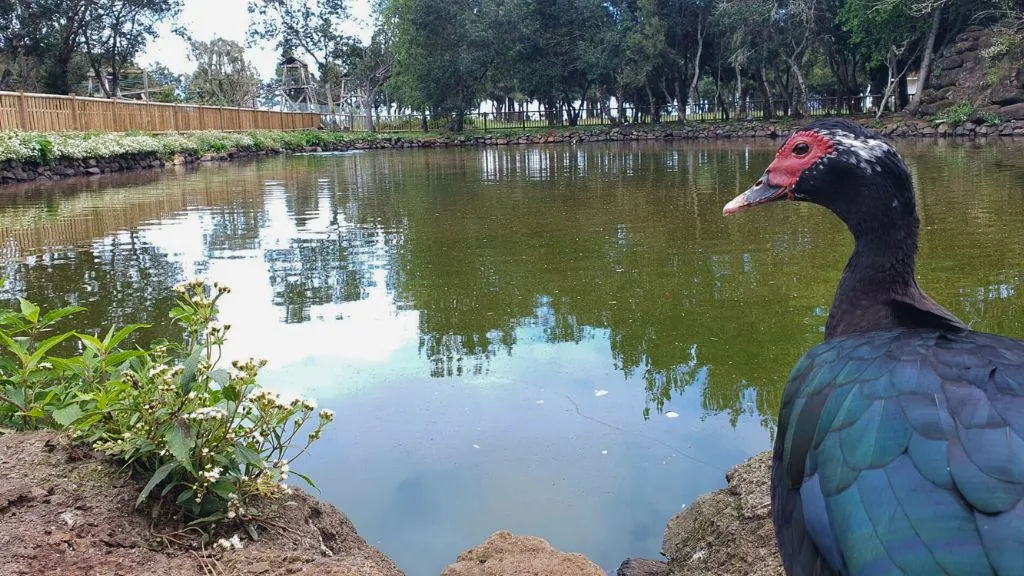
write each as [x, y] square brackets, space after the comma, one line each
[992, 118]
[954, 115]
[207, 440]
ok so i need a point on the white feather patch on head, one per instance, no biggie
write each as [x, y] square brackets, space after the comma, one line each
[865, 151]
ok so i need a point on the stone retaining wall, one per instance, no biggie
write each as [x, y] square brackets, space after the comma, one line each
[12, 171]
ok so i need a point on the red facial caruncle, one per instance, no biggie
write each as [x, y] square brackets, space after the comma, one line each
[799, 153]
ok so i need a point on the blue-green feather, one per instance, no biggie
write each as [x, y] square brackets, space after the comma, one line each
[901, 452]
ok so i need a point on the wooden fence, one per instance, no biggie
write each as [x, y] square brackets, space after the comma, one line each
[53, 113]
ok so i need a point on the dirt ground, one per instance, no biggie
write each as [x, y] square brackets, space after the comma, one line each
[69, 512]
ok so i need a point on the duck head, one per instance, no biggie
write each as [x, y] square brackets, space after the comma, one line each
[840, 165]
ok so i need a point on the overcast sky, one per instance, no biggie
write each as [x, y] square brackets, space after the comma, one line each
[229, 19]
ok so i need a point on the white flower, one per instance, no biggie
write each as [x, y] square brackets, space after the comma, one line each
[45, 365]
[212, 476]
[309, 405]
[206, 413]
[158, 370]
[236, 542]
[327, 414]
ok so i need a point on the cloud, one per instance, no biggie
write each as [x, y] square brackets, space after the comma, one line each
[229, 19]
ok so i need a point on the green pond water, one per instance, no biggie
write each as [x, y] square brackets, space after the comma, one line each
[566, 341]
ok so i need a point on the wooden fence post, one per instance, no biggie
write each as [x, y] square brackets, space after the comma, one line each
[75, 123]
[23, 111]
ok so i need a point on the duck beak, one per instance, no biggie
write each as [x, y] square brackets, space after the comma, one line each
[762, 192]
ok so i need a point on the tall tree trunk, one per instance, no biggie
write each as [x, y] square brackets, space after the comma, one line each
[741, 105]
[368, 102]
[799, 103]
[766, 94]
[650, 98]
[692, 93]
[926, 62]
[680, 103]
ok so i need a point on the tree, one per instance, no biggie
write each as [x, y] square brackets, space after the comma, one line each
[887, 34]
[312, 27]
[646, 50]
[565, 45]
[115, 31]
[164, 85]
[223, 77]
[370, 68]
[39, 43]
[444, 50]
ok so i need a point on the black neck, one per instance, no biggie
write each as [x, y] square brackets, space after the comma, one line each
[880, 270]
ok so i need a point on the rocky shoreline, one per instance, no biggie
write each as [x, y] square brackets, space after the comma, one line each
[13, 171]
[67, 511]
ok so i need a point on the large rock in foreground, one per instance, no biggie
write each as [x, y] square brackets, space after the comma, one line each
[506, 554]
[69, 512]
[728, 532]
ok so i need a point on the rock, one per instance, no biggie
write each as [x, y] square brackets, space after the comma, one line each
[506, 554]
[642, 567]
[950, 63]
[982, 114]
[965, 46]
[728, 532]
[1004, 95]
[1012, 112]
[944, 80]
[92, 170]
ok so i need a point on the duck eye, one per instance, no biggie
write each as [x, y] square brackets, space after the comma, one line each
[801, 149]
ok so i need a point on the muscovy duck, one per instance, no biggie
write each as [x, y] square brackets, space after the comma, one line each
[900, 442]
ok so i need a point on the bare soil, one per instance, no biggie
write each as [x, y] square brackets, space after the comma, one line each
[65, 511]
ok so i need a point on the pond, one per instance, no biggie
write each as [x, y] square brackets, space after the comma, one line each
[565, 341]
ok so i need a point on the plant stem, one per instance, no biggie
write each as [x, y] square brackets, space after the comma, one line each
[13, 403]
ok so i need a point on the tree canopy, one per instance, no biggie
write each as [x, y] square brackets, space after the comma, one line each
[439, 59]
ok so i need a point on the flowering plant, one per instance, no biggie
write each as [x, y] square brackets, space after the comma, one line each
[206, 438]
[45, 146]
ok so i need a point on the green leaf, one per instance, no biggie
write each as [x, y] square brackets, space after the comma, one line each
[306, 478]
[170, 487]
[223, 488]
[180, 442]
[121, 356]
[123, 333]
[157, 478]
[188, 375]
[54, 315]
[29, 310]
[45, 346]
[67, 415]
[35, 412]
[220, 376]
[14, 346]
[185, 496]
[90, 342]
[247, 455]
